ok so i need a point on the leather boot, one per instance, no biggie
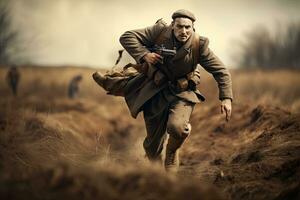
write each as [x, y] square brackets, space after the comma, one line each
[99, 78]
[156, 160]
[172, 154]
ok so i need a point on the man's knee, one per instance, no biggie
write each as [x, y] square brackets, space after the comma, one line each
[179, 130]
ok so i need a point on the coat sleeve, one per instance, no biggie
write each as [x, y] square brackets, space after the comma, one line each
[211, 63]
[134, 41]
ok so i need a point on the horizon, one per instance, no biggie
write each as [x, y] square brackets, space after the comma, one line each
[65, 32]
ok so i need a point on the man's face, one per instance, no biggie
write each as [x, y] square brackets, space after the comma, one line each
[183, 29]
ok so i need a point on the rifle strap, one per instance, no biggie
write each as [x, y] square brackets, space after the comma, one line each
[161, 37]
[196, 49]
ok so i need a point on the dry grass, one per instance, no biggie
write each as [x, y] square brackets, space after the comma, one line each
[52, 147]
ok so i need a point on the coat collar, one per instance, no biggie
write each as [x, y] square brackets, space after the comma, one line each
[170, 38]
[184, 49]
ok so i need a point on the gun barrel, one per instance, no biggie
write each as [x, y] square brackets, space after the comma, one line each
[163, 51]
[169, 52]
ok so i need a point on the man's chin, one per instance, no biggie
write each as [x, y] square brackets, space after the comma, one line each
[182, 39]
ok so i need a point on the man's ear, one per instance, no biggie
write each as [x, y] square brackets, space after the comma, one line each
[172, 24]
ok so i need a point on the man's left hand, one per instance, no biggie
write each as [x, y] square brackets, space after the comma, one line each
[226, 107]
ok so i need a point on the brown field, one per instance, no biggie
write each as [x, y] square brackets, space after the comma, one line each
[52, 147]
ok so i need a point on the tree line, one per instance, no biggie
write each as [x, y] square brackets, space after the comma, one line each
[6, 35]
[262, 48]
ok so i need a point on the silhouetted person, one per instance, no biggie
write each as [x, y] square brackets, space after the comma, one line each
[73, 89]
[13, 78]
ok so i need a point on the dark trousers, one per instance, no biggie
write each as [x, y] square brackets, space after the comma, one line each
[162, 115]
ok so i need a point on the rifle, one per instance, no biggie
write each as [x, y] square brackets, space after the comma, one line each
[158, 75]
[162, 50]
[118, 60]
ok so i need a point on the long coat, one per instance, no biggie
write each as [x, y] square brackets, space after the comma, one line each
[140, 89]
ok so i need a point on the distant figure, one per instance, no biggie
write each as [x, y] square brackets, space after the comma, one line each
[13, 78]
[73, 89]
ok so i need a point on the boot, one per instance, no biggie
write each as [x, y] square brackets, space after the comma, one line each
[99, 78]
[172, 154]
[157, 160]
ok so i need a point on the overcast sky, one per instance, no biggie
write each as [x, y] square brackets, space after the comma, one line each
[86, 33]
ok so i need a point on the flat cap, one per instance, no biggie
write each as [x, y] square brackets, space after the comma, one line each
[184, 13]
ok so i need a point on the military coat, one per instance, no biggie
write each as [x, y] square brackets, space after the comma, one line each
[141, 88]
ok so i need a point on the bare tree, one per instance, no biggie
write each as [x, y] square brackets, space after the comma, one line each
[264, 49]
[6, 35]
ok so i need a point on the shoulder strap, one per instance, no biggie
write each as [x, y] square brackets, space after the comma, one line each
[196, 48]
[160, 38]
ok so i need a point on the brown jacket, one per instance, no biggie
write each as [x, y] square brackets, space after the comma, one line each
[140, 89]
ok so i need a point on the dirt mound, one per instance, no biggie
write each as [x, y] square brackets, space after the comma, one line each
[256, 157]
[52, 147]
[63, 182]
[49, 157]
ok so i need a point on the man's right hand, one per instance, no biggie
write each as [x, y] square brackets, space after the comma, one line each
[153, 58]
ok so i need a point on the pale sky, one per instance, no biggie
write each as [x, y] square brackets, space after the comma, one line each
[86, 33]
